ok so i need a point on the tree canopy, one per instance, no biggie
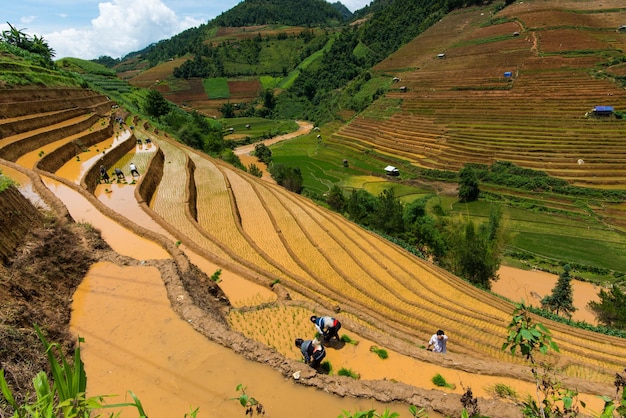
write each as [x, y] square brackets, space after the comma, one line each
[611, 310]
[561, 300]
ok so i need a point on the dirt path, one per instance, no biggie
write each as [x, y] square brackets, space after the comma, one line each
[305, 128]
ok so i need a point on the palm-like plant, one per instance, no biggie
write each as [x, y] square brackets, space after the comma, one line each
[14, 36]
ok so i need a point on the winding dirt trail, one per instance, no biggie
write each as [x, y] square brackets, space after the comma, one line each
[305, 128]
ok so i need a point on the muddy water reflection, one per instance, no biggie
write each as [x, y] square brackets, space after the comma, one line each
[133, 340]
[75, 169]
[122, 240]
[25, 186]
[532, 286]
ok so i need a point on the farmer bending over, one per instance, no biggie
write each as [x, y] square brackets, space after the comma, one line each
[327, 326]
[312, 351]
[437, 343]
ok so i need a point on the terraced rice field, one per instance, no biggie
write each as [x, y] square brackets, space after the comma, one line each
[461, 108]
[317, 261]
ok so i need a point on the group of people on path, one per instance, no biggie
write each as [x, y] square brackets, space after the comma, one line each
[313, 351]
[104, 176]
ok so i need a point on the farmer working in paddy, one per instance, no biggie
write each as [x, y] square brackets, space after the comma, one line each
[312, 351]
[103, 174]
[437, 343]
[133, 170]
[120, 174]
[327, 326]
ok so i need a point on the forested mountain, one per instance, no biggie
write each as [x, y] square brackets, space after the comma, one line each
[286, 12]
[314, 94]
[306, 46]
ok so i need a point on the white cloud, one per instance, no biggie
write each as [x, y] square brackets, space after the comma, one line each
[353, 5]
[27, 19]
[122, 26]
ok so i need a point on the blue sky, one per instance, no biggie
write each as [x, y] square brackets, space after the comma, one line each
[91, 28]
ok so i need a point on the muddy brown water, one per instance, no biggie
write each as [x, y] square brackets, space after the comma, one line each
[532, 285]
[134, 341]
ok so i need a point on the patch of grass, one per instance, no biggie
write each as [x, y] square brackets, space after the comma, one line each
[216, 276]
[502, 391]
[5, 181]
[216, 88]
[326, 367]
[346, 339]
[349, 373]
[440, 381]
[382, 353]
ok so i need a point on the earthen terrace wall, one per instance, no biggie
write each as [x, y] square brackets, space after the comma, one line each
[18, 217]
[55, 160]
[151, 178]
[24, 125]
[14, 150]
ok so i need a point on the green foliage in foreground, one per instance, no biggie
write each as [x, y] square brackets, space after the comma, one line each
[249, 403]
[65, 395]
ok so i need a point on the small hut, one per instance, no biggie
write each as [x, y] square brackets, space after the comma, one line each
[392, 171]
[603, 111]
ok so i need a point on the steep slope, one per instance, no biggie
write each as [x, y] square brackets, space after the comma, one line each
[517, 86]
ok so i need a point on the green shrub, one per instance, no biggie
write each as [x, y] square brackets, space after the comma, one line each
[382, 353]
[440, 381]
[346, 339]
[349, 373]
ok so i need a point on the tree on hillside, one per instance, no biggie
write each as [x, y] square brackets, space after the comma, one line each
[359, 205]
[35, 44]
[422, 229]
[474, 252]
[611, 310]
[227, 110]
[387, 214]
[288, 177]
[156, 105]
[335, 199]
[468, 184]
[561, 300]
[263, 153]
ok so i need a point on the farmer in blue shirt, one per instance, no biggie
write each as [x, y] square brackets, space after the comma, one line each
[312, 351]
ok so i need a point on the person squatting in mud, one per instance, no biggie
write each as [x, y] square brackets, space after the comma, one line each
[312, 351]
[437, 343]
[327, 326]
[133, 170]
[103, 174]
[120, 174]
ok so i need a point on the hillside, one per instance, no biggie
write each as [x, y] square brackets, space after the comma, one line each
[519, 85]
[310, 260]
